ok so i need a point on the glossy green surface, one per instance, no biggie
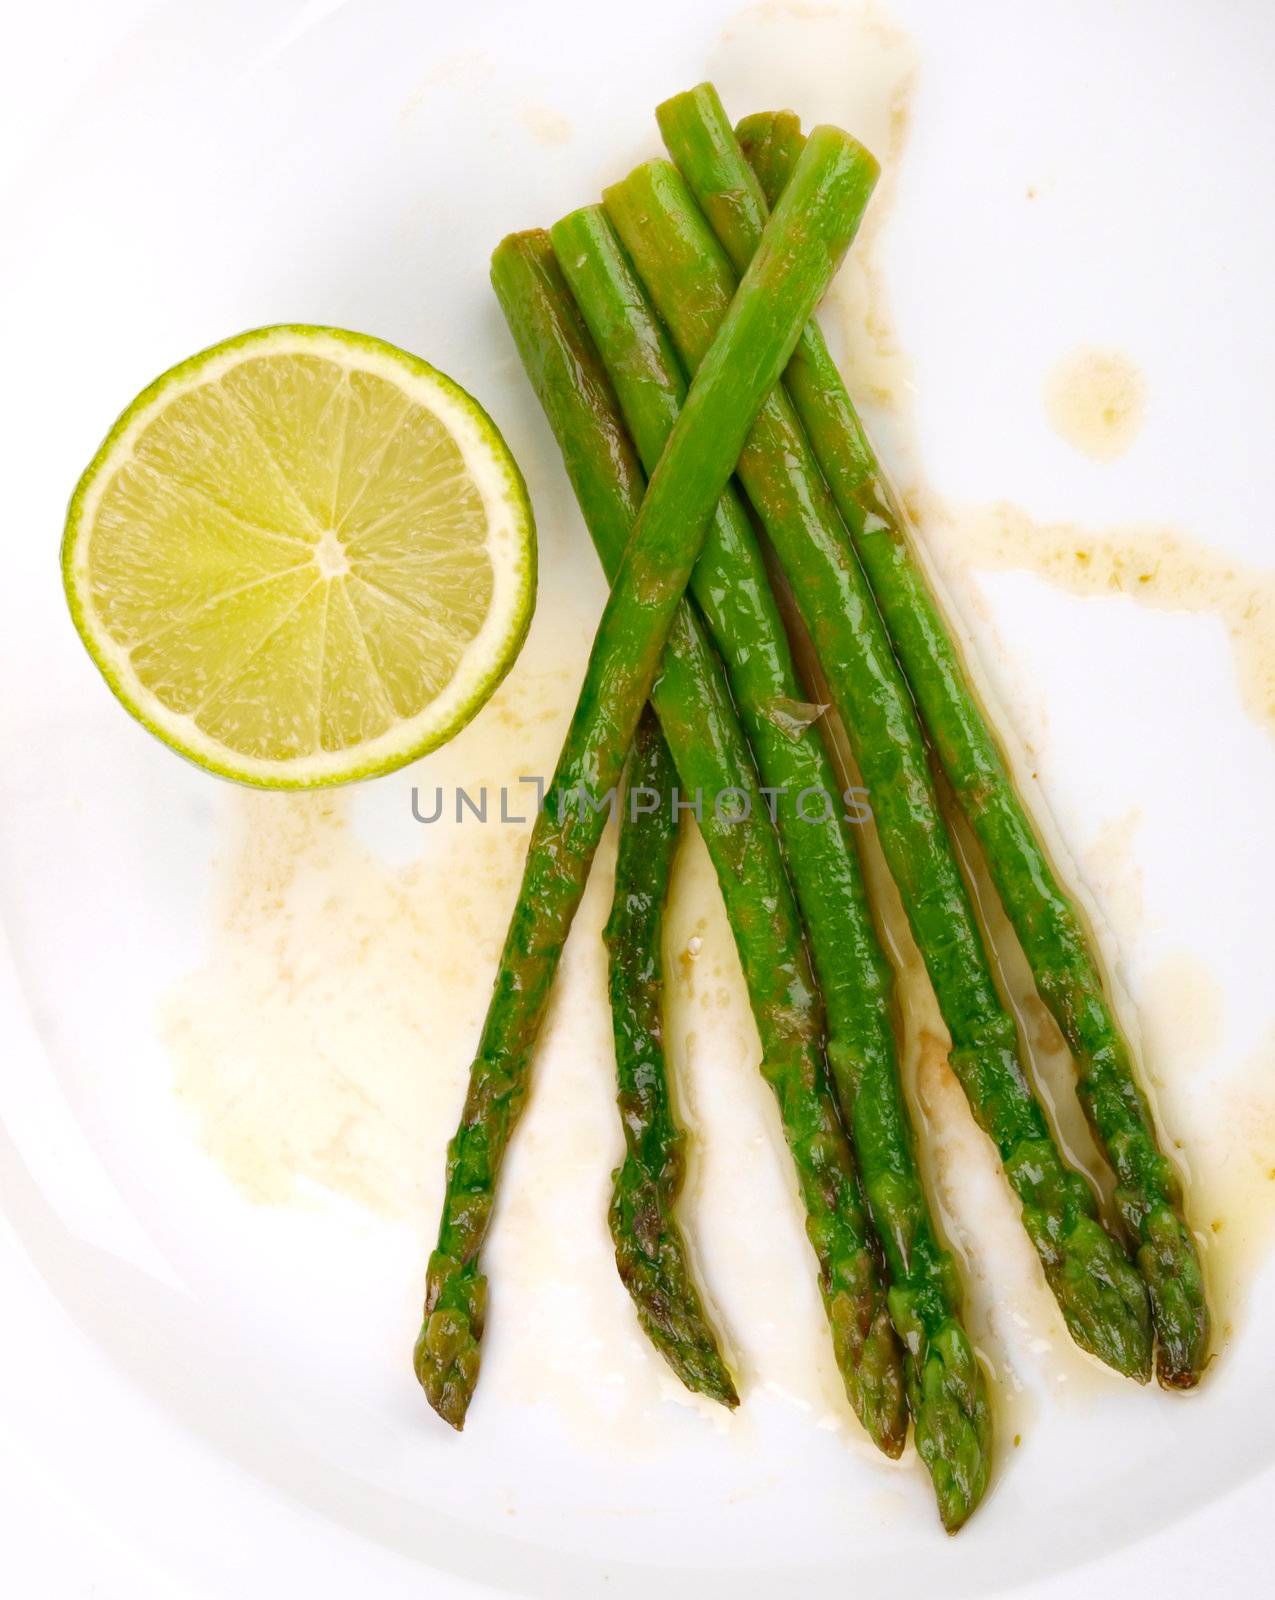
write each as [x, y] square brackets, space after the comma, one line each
[650, 1253]
[1049, 927]
[692, 701]
[944, 1382]
[691, 281]
[804, 243]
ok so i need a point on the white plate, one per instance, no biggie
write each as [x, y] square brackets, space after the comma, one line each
[229, 1080]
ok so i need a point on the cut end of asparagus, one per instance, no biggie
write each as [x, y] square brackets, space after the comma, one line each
[655, 173]
[826, 138]
[771, 141]
[519, 253]
[761, 128]
[702, 95]
[694, 124]
[583, 217]
[447, 1354]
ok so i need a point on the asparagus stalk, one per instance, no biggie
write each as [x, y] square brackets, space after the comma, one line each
[692, 701]
[690, 281]
[945, 1384]
[805, 241]
[1045, 918]
[650, 1252]
[769, 141]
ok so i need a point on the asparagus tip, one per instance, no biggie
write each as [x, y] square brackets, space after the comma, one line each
[953, 1423]
[1170, 1263]
[1104, 1300]
[447, 1354]
[874, 1372]
[1179, 1380]
[666, 1299]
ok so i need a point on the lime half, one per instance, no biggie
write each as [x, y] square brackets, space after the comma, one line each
[301, 557]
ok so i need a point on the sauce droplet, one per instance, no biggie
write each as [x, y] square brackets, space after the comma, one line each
[1096, 400]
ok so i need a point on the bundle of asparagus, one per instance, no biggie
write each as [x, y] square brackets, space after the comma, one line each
[609, 312]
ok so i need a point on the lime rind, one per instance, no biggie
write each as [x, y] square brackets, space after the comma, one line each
[486, 658]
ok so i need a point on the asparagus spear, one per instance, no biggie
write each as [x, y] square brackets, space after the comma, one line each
[1046, 920]
[944, 1381]
[805, 241]
[690, 281]
[692, 701]
[649, 1250]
